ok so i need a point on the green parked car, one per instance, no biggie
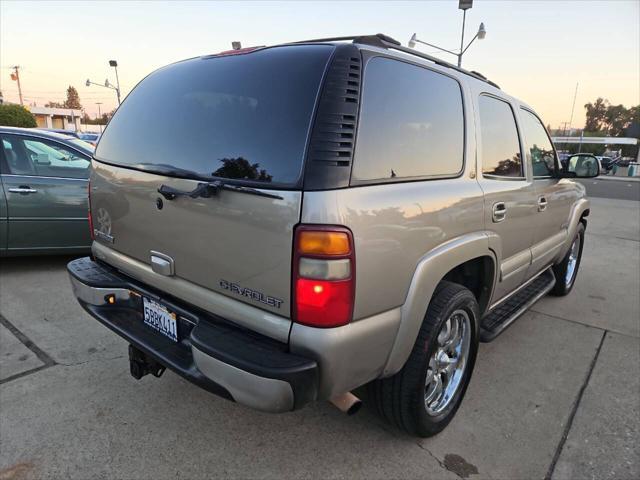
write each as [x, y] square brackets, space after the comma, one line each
[43, 192]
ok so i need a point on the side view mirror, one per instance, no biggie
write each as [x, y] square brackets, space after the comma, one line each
[582, 166]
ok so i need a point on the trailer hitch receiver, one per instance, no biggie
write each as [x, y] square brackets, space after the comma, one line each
[141, 365]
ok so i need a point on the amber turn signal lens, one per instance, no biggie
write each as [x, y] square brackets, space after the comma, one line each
[323, 243]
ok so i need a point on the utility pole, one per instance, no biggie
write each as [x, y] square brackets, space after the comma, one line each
[575, 94]
[16, 76]
[99, 115]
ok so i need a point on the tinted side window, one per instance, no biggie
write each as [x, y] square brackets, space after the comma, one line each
[539, 148]
[500, 145]
[34, 156]
[411, 123]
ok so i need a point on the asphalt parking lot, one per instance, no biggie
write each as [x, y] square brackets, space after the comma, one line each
[556, 396]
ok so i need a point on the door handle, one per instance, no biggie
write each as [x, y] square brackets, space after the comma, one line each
[23, 189]
[542, 204]
[499, 212]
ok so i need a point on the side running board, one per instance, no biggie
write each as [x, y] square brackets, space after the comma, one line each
[517, 304]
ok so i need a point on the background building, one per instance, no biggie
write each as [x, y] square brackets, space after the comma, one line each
[64, 118]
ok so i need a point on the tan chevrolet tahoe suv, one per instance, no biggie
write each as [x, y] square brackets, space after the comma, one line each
[282, 225]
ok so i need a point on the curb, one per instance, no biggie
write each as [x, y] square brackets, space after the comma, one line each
[616, 179]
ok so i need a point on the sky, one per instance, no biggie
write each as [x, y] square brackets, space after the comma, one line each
[535, 50]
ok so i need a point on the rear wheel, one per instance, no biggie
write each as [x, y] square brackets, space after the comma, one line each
[425, 394]
[567, 270]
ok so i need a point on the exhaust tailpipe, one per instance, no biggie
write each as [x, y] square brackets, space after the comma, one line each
[347, 402]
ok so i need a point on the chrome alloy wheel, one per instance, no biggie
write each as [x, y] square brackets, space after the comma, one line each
[573, 261]
[447, 363]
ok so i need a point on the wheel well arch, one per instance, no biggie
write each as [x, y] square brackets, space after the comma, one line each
[583, 217]
[478, 275]
[456, 259]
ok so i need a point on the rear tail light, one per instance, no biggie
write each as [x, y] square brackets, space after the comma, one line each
[323, 276]
[89, 211]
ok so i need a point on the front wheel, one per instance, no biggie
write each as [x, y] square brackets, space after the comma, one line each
[425, 394]
[567, 270]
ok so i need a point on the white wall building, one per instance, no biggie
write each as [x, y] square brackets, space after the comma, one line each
[62, 118]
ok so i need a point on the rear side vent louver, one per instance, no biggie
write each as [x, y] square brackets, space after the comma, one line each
[332, 139]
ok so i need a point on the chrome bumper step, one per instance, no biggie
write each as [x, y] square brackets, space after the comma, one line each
[512, 308]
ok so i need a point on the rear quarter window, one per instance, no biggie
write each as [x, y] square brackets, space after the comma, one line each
[411, 124]
[243, 117]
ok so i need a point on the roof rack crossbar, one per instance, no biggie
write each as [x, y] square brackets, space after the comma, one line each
[384, 41]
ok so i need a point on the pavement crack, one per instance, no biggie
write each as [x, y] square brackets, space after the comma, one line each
[574, 409]
[440, 462]
[75, 364]
[614, 236]
[23, 374]
[26, 341]
[577, 322]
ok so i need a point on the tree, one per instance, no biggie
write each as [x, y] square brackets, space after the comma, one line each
[617, 118]
[54, 104]
[73, 99]
[596, 113]
[633, 130]
[16, 116]
[241, 168]
[614, 120]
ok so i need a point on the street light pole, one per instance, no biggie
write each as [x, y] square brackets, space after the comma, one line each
[463, 5]
[88, 83]
[114, 64]
[480, 35]
[464, 18]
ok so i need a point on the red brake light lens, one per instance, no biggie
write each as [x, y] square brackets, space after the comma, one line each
[323, 303]
[324, 289]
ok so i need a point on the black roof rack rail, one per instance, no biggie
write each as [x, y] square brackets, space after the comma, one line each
[383, 41]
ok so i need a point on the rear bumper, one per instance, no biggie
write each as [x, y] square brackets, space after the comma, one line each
[243, 366]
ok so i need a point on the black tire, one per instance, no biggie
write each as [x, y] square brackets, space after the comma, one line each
[400, 399]
[562, 287]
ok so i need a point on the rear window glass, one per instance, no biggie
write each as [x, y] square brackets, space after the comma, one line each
[411, 123]
[235, 117]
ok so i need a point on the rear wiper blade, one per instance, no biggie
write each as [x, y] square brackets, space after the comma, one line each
[169, 170]
[249, 190]
[205, 190]
[211, 189]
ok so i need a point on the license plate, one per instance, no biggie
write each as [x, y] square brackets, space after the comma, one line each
[160, 319]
